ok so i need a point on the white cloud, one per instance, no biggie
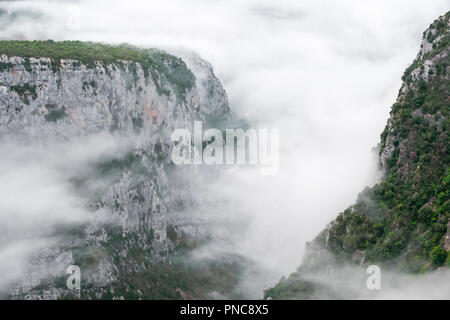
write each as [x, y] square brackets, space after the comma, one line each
[37, 200]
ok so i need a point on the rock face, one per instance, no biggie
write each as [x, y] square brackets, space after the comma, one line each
[139, 212]
[402, 222]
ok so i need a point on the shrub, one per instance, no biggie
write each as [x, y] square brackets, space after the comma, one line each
[438, 256]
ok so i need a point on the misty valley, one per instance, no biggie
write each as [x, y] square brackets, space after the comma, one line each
[170, 160]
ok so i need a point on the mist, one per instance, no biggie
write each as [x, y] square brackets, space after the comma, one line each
[37, 199]
[350, 282]
[41, 201]
[325, 73]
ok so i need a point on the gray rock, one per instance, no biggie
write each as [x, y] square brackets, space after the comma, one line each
[138, 199]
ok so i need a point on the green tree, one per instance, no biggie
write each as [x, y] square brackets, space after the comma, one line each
[438, 256]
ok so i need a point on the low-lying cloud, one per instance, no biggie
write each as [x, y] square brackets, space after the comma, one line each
[37, 198]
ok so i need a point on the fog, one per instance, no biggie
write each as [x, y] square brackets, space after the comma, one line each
[350, 282]
[324, 73]
[37, 200]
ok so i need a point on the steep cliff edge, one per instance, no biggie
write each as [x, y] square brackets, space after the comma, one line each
[402, 222]
[59, 96]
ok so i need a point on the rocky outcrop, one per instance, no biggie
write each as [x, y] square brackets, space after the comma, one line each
[139, 214]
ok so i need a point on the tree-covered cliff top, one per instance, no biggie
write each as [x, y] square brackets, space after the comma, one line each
[154, 62]
[436, 39]
[87, 52]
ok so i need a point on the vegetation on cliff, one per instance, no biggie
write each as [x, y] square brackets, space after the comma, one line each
[403, 221]
[161, 66]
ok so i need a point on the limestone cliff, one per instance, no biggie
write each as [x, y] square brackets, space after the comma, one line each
[53, 93]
